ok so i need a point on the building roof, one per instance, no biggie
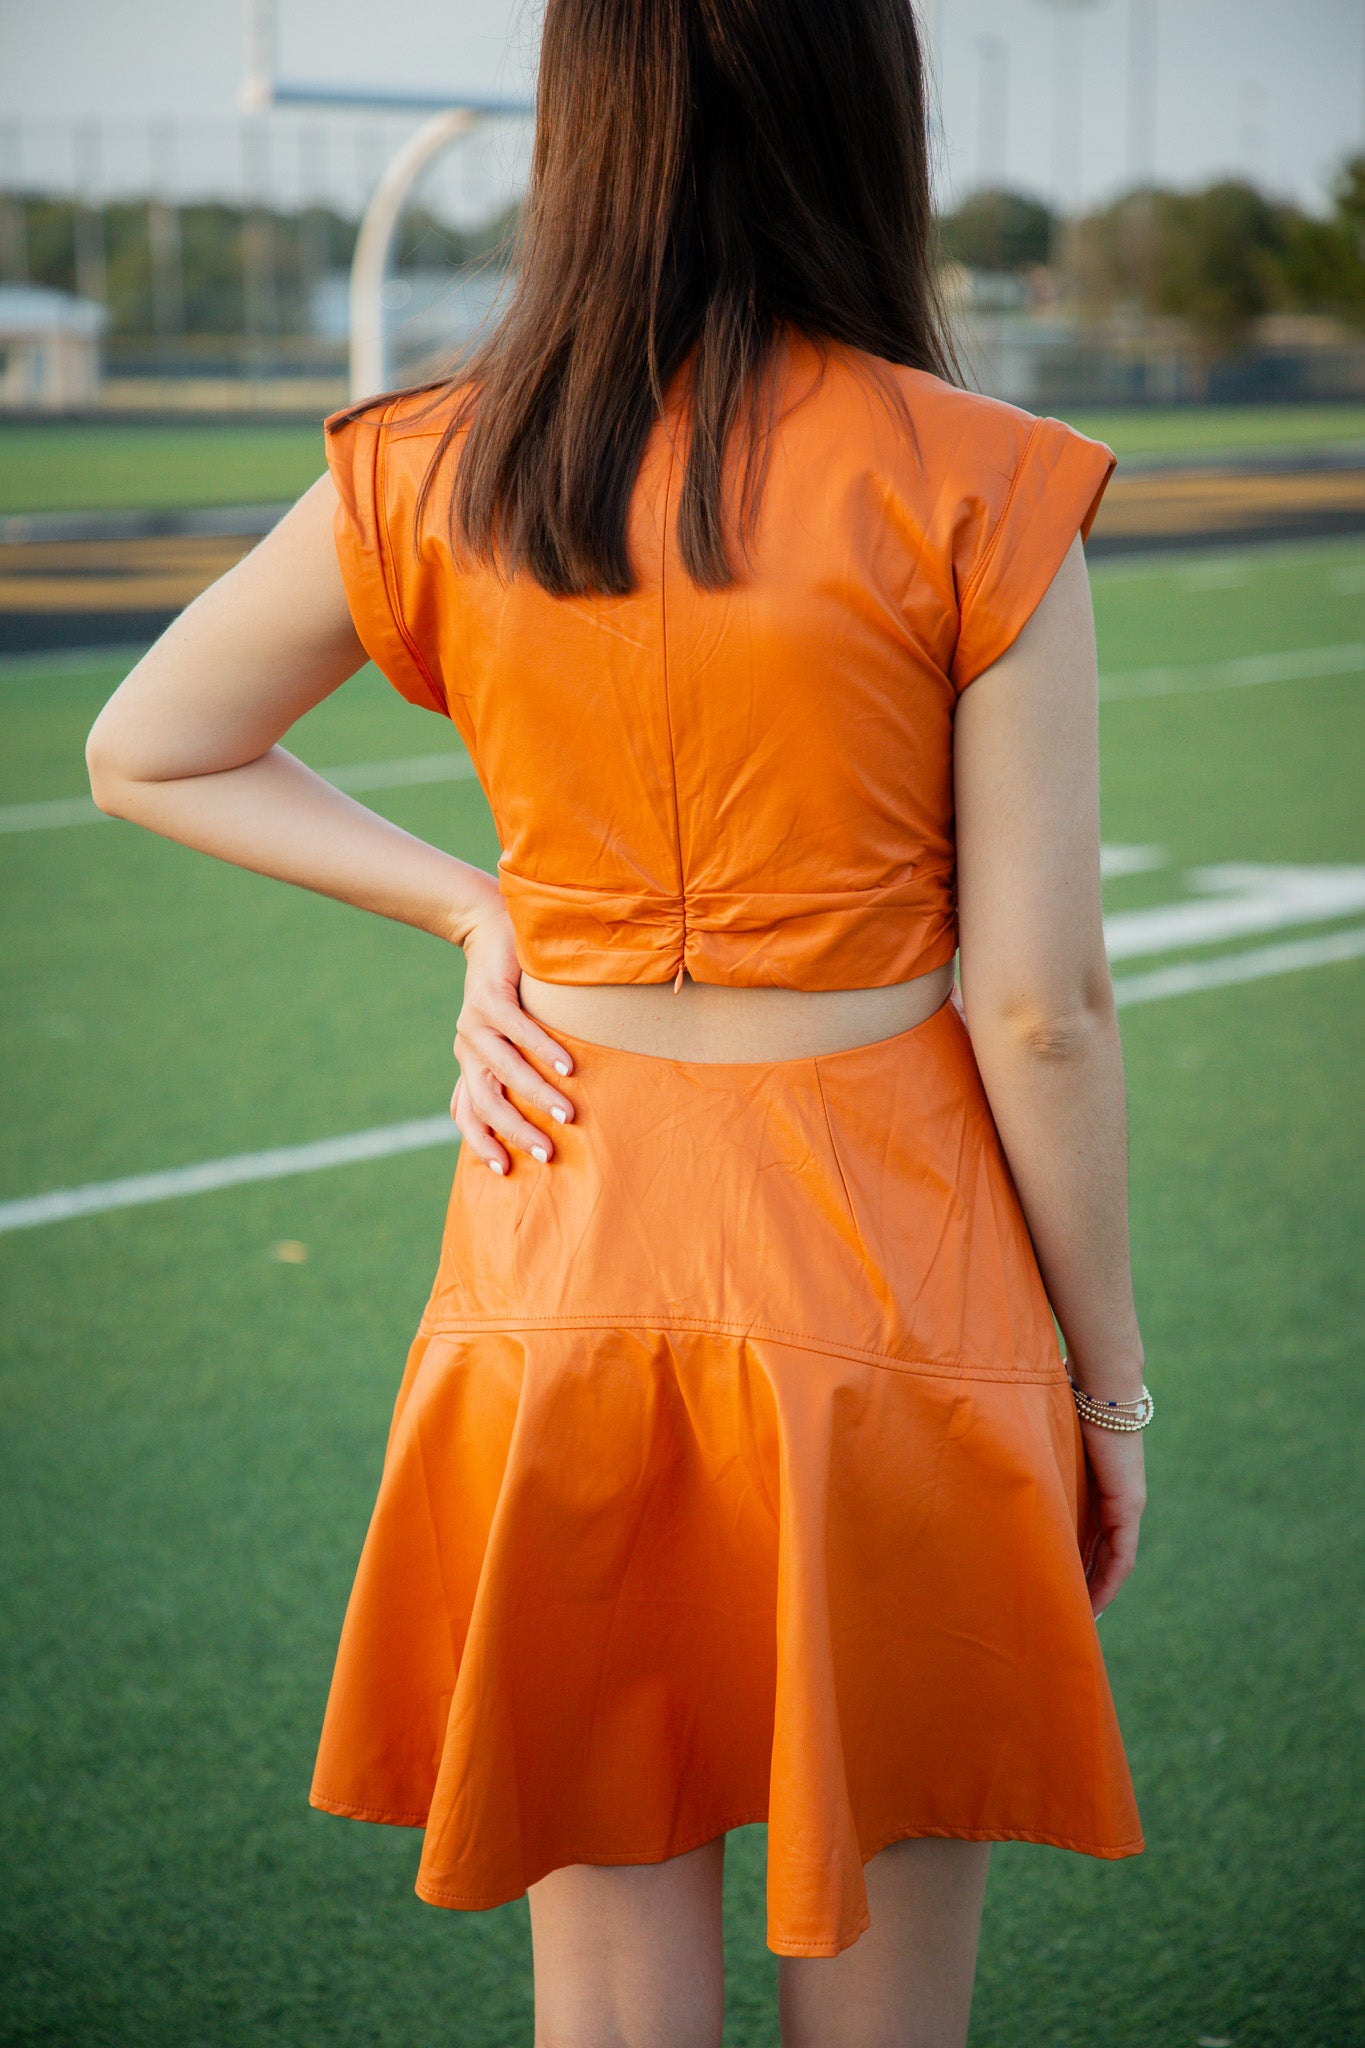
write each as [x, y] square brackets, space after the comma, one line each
[30, 309]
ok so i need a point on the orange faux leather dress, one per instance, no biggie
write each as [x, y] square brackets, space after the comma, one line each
[734, 1475]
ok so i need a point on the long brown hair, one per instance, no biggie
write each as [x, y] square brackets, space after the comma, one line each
[705, 172]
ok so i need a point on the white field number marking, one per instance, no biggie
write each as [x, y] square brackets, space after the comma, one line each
[1129, 860]
[1252, 963]
[1236, 900]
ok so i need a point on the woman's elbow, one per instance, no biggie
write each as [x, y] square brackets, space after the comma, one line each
[1054, 1027]
[112, 784]
[1059, 1038]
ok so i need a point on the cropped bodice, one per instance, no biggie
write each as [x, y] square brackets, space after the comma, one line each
[754, 783]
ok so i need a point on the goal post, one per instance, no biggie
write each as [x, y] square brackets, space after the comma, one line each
[451, 115]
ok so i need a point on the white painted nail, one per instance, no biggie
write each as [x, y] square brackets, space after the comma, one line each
[539, 1152]
[496, 1166]
[561, 1116]
[561, 1066]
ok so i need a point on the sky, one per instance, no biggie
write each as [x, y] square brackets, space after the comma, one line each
[1271, 89]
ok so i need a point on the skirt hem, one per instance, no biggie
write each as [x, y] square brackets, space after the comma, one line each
[780, 1945]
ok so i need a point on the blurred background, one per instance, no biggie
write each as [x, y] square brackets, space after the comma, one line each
[1141, 203]
[224, 1149]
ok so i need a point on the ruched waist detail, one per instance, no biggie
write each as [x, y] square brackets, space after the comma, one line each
[833, 939]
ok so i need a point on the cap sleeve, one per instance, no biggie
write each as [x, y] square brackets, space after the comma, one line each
[1053, 494]
[371, 565]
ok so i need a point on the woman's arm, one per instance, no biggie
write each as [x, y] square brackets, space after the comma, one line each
[1039, 1005]
[188, 746]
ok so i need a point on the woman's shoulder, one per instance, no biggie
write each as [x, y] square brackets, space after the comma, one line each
[424, 412]
[934, 428]
[936, 420]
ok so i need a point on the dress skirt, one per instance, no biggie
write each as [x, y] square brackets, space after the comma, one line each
[734, 1477]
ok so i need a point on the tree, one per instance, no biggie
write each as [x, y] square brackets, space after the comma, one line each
[1220, 258]
[998, 231]
[1348, 194]
[215, 244]
[1213, 258]
[1324, 266]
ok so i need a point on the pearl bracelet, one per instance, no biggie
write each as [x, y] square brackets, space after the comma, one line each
[1120, 1415]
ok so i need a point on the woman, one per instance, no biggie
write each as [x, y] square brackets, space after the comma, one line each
[736, 1474]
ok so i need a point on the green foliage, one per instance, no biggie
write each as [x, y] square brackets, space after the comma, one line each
[1321, 270]
[1348, 195]
[1208, 257]
[998, 231]
[1221, 257]
[212, 246]
[226, 270]
[426, 243]
[50, 225]
[1220, 251]
[1325, 261]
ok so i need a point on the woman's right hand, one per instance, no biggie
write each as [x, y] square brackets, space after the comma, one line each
[1116, 1463]
[492, 1037]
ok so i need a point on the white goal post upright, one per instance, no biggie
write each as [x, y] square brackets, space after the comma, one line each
[452, 115]
[369, 353]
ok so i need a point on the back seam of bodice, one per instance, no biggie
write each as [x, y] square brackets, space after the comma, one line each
[665, 529]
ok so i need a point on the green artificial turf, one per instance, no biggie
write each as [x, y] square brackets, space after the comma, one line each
[193, 1430]
[64, 465]
[80, 466]
[1195, 430]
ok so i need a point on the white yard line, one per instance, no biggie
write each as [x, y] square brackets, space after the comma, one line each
[44, 817]
[363, 775]
[1297, 665]
[63, 1203]
[277, 1164]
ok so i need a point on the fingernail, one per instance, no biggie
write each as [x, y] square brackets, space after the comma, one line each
[561, 1116]
[539, 1152]
[496, 1166]
[561, 1066]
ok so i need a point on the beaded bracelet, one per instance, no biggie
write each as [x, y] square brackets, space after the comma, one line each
[1120, 1415]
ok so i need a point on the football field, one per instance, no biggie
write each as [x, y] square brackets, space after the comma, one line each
[220, 1204]
[60, 465]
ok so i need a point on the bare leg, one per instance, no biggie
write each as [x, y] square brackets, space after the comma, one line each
[631, 1956]
[907, 1982]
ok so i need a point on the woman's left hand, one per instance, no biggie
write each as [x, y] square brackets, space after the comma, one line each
[492, 1038]
[1118, 1478]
